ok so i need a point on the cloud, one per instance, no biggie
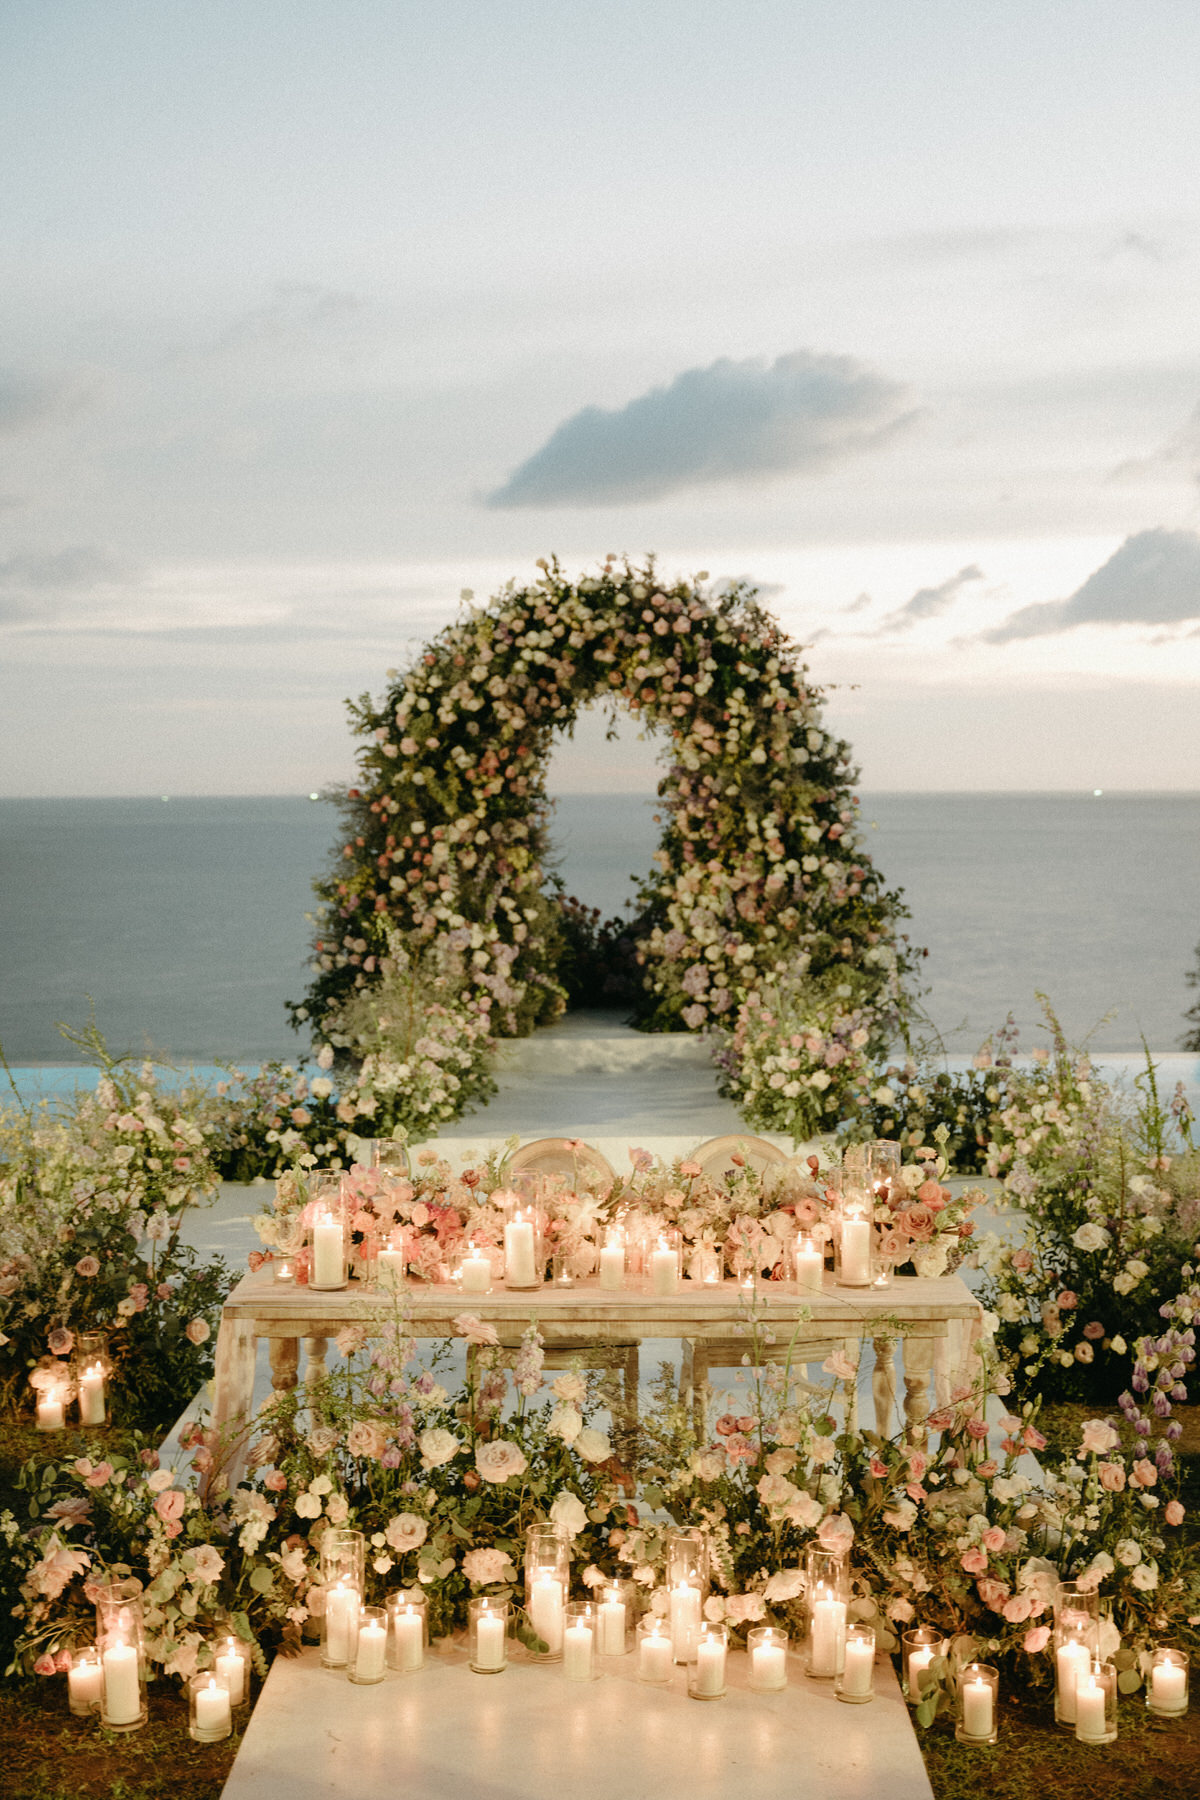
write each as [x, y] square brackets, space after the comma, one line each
[928, 602]
[27, 401]
[1153, 579]
[733, 421]
[294, 309]
[43, 585]
[1179, 452]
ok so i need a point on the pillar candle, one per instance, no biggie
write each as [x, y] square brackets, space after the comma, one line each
[1090, 1724]
[328, 1264]
[977, 1709]
[410, 1638]
[856, 1252]
[1168, 1687]
[685, 1620]
[829, 1637]
[231, 1667]
[612, 1626]
[476, 1273]
[122, 1690]
[655, 1657]
[341, 1622]
[389, 1268]
[1072, 1660]
[768, 1666]
[546, 1601]
[859, 1671]
[489, 1642]
[612, 1266]
[91, 1396]
[213, 1710]
[519, 1267]
[84, 1681]
[370, 1655]
[918, 1666]
[577, 1652]
[51, 1411]
[710, 1666]
[664, 1270]
[810, 1267]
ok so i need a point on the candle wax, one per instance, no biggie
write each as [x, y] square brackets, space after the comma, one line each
[1089, 1710]
[489, 1642]
[91, 1397]
[51, 1413]
[213, 1711]
[768, 1666]
[710, 1667]
[1168, 1687]
[122, 1690]
[229, 1664]
[655, 1657]
[612, 1266]
[371, 1653]
[519, 1266]
[685, 1620]
[577, 1652]
[859, 1671]
[612, 1628]
[828, 1637]
[1072, 1660]
[328, 1264]
[476, 1275]
[664, 1271]
[856, 1252]
[84, 1682]
[409, 1628]
[341, 1623]
[546, 1600]
[918, 1670]
[978, 1712]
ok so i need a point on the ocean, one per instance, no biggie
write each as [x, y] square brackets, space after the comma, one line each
[183, 921]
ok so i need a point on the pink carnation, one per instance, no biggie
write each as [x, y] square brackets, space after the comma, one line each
[1037, 1639]
[1173, 1512]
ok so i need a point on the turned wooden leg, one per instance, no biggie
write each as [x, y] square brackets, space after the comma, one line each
[853, 1349]
[918, 1365]
[285, 1364]
[883, 1384]
[315, 1349]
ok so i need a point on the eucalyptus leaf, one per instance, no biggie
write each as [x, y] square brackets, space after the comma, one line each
[1129, 1681]
[261, 1579]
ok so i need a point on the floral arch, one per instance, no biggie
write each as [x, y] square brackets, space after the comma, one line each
[762, 920]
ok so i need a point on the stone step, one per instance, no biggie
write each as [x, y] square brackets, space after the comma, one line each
[445, 1733]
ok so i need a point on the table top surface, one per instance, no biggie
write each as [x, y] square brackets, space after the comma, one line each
[912, 1298]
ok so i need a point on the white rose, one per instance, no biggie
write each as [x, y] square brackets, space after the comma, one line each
[437, 1447]
[566, 1423]
[499, 1460]
[1090, 1237]
[786, 1584]
[593, 1446]
[308, 1506]
[569, 1513]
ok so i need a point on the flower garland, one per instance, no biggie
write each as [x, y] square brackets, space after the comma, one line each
[759, 881]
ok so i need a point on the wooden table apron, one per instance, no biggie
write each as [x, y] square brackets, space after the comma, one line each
[261, 1307]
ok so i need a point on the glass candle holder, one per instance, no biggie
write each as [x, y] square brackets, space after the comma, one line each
[856, 1683]
[1076, 1643]
[978, 1704]
[687, 1579]
[918, 1649]
[284, 1269]
[854, 1238]
[615, 1617]
[121, 1644]
[90, 1370]
[487, 1635]
[656, 1655]
[808, 1265]
[664, 1264]
[768, 1648]
[475, 1271]
[1096, 1704]
[84, 1681]
[328, 1237]
[343, 1562]
[706, 1676]
[52, 1396]
[1167, 1687]
[369, 1664]
[827, 1585]
[231, 1663]
[524, 1243]
[390, 1155]
[579, 1641]
[210, 1711]
[408, 1630]
[612, 1262]
[705, 1266]
[547, 1575]
[391, 1263]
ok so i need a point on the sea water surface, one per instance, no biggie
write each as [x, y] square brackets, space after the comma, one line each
[184, 920]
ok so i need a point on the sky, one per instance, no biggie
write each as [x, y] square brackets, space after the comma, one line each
[316, 312]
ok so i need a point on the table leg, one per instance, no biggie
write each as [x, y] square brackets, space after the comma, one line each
[853, 1348]
[316, 1349]
[918, 1365]
[883, 1384]
[285, 1364]
[233, 1398]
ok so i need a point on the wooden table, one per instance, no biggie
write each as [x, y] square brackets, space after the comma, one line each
[921, 1314]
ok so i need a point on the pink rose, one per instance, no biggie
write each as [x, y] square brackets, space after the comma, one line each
[994, 1539]
[61, 1341]
[1017, 1609]
[275, 1480]
[474, 1330]
[1022, 1261]
[1143, 1473]
[197, 1331]
[974, 1562]
[45, 1664]
[1173, 1513]
[169, 1506]
[1037, 1639]
[992, 1593]
[499, 1461]
[1094, 1330]
[1098, 1437]
[97, 1477]
[87, 1266]
[1033, 1439]
[1112, 1477]
[919, 1222]
[726, 1425]
[1066, 1300]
